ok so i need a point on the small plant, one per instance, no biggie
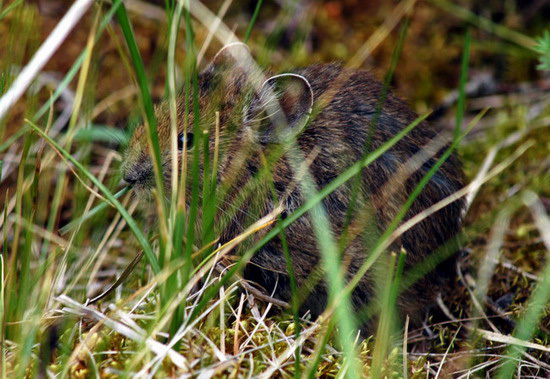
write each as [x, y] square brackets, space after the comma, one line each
[543, 48]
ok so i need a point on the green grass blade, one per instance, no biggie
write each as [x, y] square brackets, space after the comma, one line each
[485, 24]
[318, 355]
[192, 80]
[538, 302]
[386, 323]
[176, 217]
[85, 217]
[151, 121]
[378, 247]
[253, 20]
[102, 133]
[9, 8]
[356, 189]
[123, 212]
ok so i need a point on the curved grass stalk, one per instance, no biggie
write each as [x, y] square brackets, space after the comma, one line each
[124, 213]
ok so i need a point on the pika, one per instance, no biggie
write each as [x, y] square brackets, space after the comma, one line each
[354, 117]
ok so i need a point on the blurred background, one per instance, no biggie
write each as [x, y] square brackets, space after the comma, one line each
[307, 31]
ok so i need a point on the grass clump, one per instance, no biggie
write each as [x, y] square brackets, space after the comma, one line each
[69, 231]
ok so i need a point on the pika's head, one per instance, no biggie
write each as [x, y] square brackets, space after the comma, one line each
[239, 112]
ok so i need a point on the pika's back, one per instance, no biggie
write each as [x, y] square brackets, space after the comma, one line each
[357, 115]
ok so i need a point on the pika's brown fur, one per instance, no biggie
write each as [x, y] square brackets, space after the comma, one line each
[350, 122]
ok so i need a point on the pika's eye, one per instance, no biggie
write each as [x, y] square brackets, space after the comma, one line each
[185, 137]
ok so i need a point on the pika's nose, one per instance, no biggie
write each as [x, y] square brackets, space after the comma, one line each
[137, 174]
[131, 178]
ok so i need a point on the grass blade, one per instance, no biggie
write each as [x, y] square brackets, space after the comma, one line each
[43, 54]
[253, 20]
[151, 121]
[131, 222]
[70, 226]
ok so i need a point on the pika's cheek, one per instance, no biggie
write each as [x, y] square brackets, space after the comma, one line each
[187, 162]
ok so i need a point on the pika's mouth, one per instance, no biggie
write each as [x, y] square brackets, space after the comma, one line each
[138, 177]
[133, 179]
[139, 188]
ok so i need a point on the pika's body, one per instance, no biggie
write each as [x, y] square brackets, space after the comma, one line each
[355, 117]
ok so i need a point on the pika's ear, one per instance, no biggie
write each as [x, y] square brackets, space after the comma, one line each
[232, 56]
[229, 70]
[283, 106]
